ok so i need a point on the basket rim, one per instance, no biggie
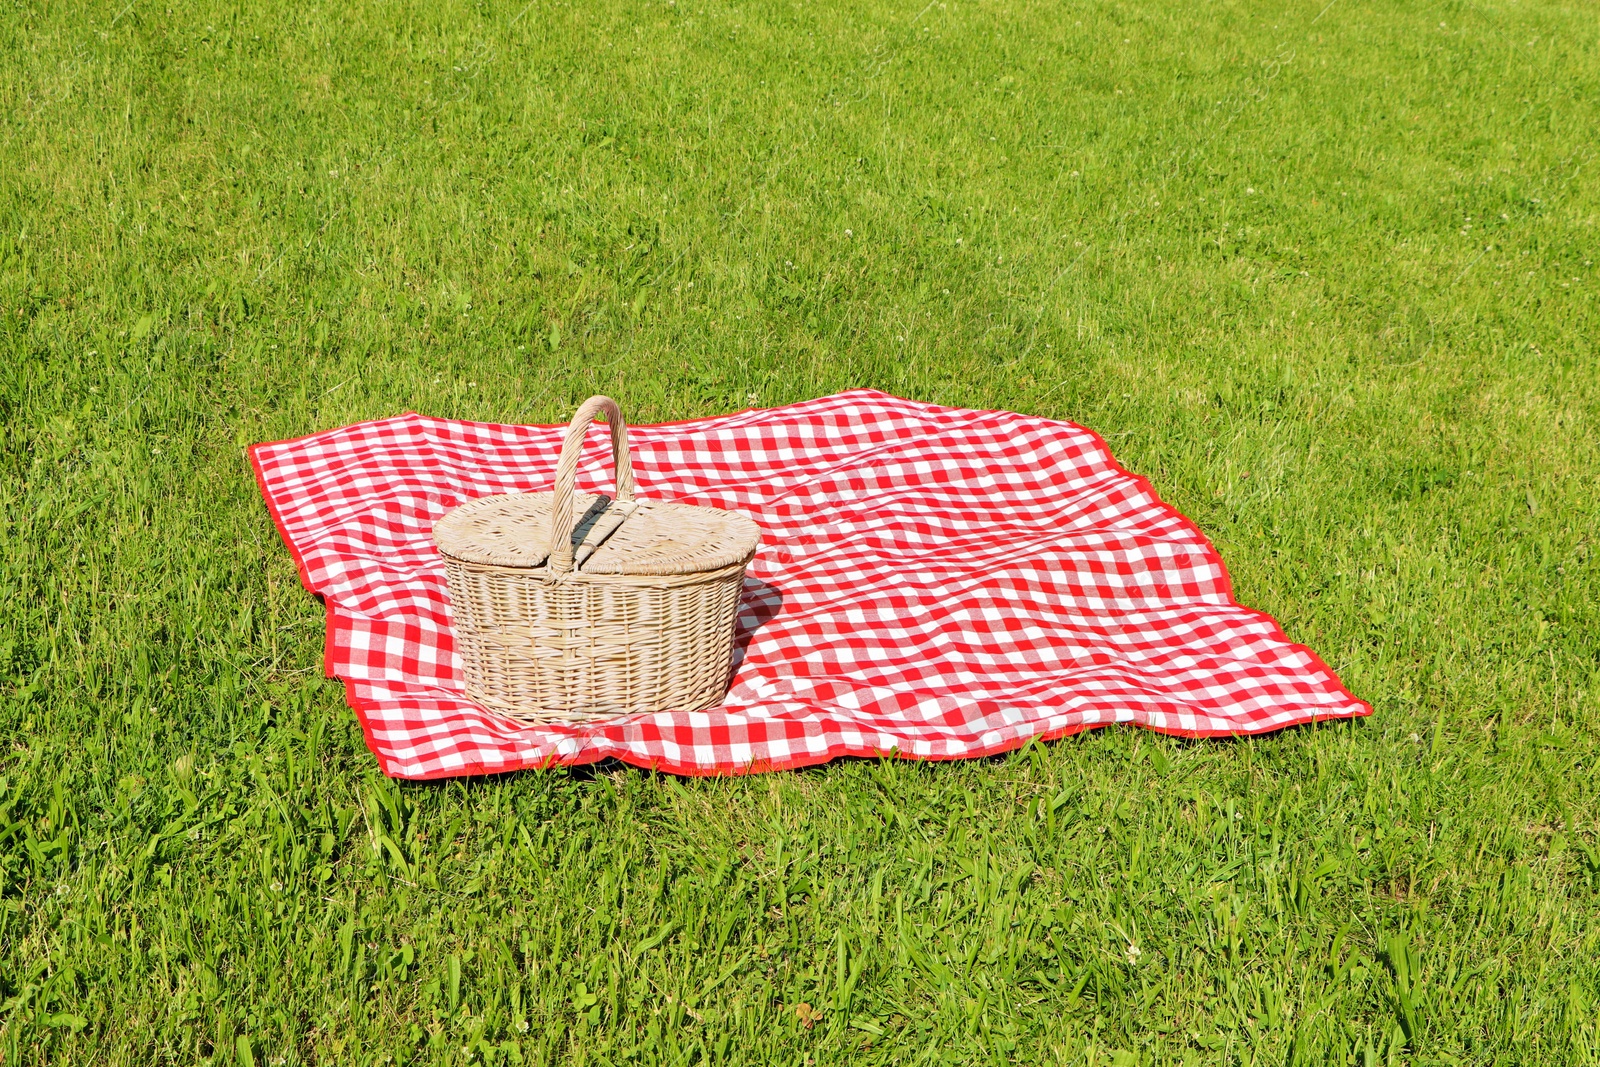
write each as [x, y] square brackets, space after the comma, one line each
[639, 579]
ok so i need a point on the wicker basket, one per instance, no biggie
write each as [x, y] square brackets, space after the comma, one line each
[577, 608]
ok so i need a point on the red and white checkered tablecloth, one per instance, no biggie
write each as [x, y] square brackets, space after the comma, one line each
[932, 582]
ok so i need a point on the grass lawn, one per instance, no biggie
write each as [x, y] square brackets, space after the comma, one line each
[1322, 271]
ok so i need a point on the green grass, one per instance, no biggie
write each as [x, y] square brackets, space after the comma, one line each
[1324, 274]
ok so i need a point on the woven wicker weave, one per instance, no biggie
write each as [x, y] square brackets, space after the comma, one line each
[573, 608]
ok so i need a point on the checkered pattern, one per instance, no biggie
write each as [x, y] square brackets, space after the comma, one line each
[932, 582]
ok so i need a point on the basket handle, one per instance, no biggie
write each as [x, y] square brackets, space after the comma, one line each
[561, 517]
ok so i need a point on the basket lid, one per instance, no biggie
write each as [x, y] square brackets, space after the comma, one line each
[608, 536]
[564, 530]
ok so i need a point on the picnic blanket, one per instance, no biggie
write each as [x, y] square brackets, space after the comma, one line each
[933, 583]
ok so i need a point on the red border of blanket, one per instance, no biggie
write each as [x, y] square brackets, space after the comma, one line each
[691, 770]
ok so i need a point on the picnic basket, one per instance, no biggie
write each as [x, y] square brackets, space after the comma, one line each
[577, 608]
